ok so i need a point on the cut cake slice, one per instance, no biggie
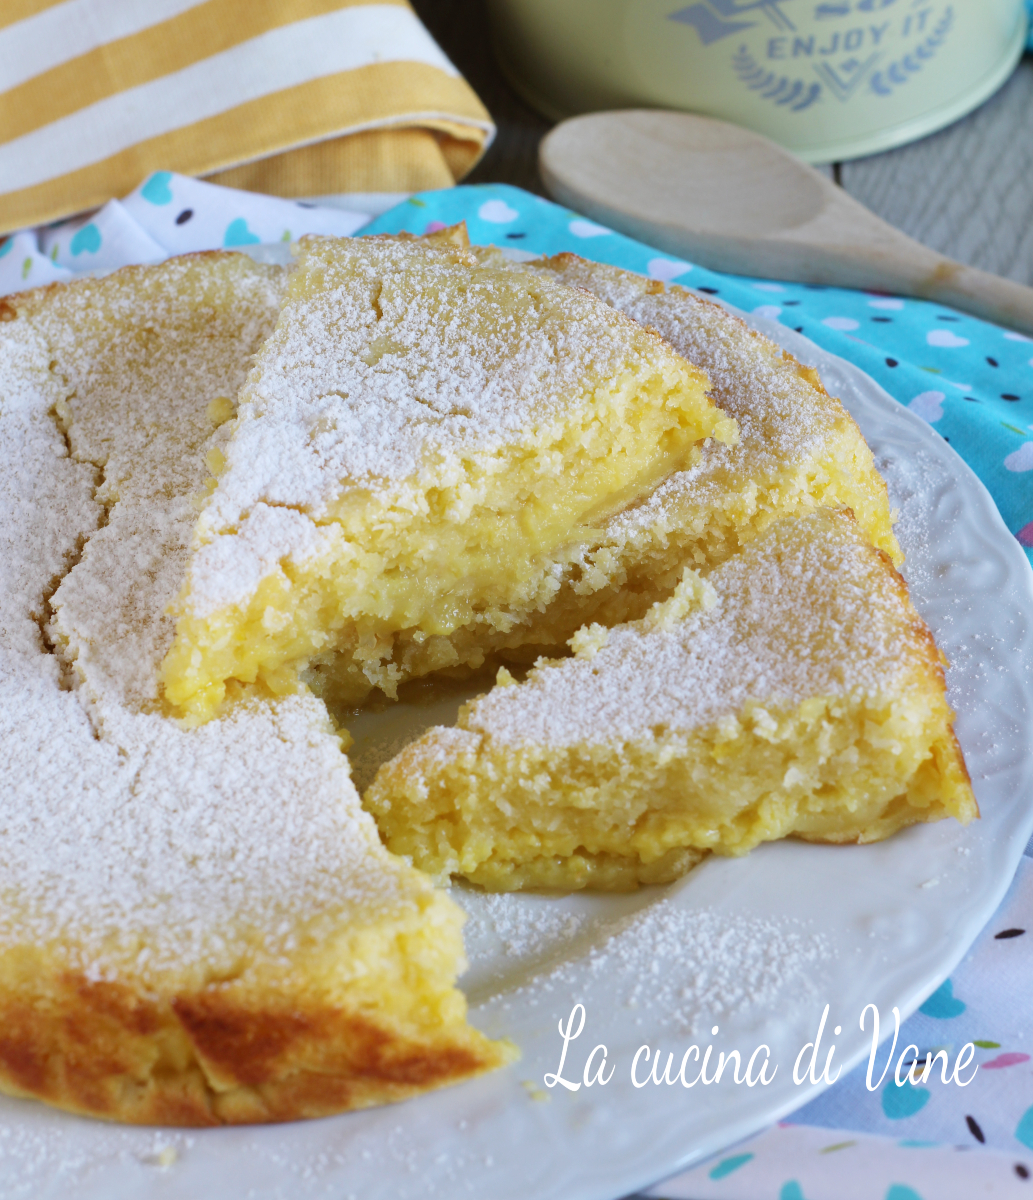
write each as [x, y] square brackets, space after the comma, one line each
[798, 448]
[198, 926]
[793, 690]
[420, 448]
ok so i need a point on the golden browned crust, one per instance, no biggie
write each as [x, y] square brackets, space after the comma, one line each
[218, 1056]
[448, 235]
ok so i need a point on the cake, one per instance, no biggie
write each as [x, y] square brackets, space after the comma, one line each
[791, 690]
[420, 451]
[233, 492]
[199, 926]
[798, 449]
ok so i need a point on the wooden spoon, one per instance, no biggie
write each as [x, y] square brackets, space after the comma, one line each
[734, 201]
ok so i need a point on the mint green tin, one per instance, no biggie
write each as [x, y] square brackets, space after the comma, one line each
[828, 79]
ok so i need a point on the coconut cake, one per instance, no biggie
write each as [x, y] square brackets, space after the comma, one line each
[419, 450]
[199, 926]
[792, 690]
[798, 449]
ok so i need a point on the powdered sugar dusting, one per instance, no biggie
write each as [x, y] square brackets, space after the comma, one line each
[128, 841]
[397, 368]
[376, 373]
[808, 609]
[228, 567]
[685, 968]
[525, 928]
[721, 966]
[750, 381]
[38, 476]
[138, 361]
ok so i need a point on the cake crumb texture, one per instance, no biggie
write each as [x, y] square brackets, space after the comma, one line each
[790, 691]
[420, 448]
[798, 449]
[197, 926]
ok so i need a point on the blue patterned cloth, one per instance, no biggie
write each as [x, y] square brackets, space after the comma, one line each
[972, 381]
[167, 214]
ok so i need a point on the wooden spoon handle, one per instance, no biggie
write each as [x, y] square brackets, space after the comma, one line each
[731, 200]
[881, 258]
[981, 294]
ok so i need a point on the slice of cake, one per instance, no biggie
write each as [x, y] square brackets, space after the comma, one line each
[198, 926]
[798, 449]
[792, 690]
[421, 447]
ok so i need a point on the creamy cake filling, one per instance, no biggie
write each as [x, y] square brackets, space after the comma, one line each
[422, 445]
[791, 690]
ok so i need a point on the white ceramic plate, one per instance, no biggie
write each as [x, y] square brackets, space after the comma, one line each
[757, 946]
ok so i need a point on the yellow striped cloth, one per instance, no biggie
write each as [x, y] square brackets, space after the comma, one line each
[291, 97]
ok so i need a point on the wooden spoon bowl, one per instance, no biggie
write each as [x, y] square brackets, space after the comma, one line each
[734, 201]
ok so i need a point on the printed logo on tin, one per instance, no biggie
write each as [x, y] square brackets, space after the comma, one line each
[878, 44]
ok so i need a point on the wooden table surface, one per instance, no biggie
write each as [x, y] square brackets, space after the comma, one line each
[966, 191]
